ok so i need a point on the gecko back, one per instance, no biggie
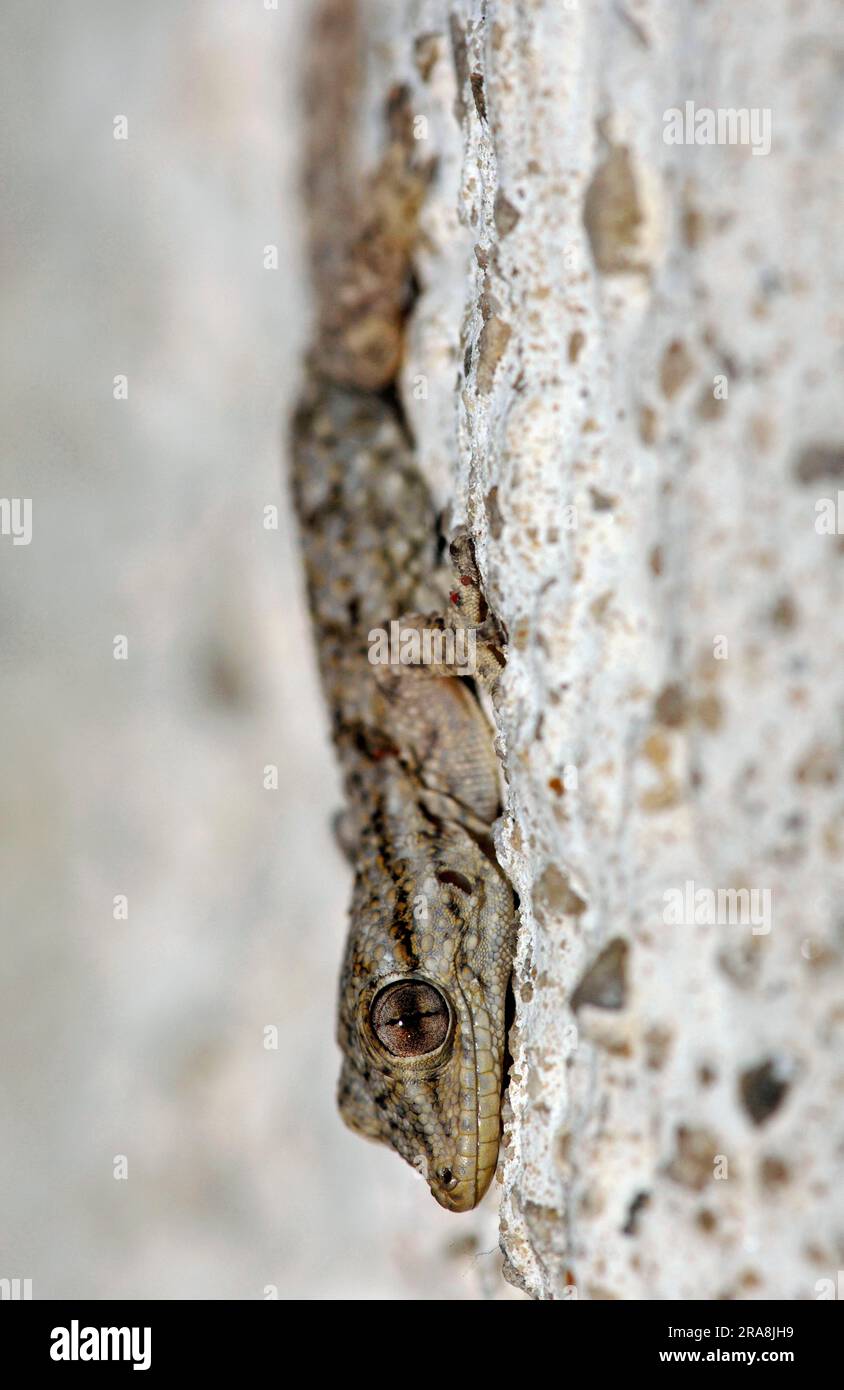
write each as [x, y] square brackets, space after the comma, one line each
[423, 985]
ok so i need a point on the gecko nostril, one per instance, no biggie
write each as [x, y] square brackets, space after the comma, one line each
[447, 1178]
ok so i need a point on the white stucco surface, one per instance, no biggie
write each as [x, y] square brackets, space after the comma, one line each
[671, 710]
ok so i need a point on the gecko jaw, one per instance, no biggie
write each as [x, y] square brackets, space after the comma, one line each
[479, 1119]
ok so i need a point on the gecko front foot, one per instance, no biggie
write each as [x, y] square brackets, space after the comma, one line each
[466, 640]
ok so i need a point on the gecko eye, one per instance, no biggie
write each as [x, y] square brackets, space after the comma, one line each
[410, 1018]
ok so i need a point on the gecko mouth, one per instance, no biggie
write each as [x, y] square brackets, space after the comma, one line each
[460, 1184]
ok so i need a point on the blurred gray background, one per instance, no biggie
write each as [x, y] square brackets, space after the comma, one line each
[145, 777]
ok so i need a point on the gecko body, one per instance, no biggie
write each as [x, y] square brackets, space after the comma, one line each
[425, 975]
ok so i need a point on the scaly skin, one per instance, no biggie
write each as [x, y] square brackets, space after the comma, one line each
[430, 903]
[426, 971]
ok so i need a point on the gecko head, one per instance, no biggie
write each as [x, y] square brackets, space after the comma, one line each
[422, 1029]
[412, 1082]
[422, 1009]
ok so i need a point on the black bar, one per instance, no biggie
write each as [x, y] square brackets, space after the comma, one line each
[602, 1336]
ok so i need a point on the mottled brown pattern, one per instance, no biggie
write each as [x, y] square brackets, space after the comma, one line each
[430, 903]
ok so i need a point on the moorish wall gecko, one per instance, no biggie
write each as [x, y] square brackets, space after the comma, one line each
[426, 972]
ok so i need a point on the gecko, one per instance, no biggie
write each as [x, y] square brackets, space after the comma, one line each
[425, 976]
